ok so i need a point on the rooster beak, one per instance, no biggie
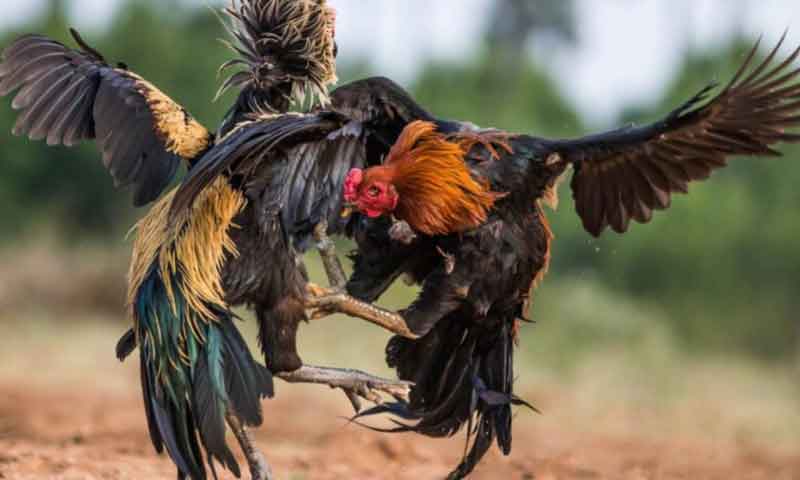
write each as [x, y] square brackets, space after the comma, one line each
[347, 211]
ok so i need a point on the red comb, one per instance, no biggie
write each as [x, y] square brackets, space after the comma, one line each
[351, 183]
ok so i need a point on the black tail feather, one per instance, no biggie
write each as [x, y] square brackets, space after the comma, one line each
[209, 408]
[152, 422]
[162, 420]
[126, 345]
[247, 381]
[182, 416]
[398, 409]
[463, 375]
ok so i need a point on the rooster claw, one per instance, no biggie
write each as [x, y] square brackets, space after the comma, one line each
[372, 390]
[357, 385]
[321, 301]
[316, 292]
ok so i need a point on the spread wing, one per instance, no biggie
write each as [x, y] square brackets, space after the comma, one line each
[296, 164]
[628, 173]
[66, 96]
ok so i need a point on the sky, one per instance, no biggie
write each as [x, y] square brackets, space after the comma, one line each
[626, 53]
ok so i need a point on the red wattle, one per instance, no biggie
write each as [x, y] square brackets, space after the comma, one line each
[371, 213]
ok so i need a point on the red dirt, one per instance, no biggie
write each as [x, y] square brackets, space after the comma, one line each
[90, 432]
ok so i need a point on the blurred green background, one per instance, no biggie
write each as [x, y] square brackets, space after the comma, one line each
[717, 275]
[670, 352]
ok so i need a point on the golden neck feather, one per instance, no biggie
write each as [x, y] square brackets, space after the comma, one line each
[437, 192]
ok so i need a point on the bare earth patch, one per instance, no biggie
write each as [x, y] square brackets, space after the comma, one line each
[83, 433]
[70, 411]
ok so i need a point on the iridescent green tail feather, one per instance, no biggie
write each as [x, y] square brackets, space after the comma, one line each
[193, 372]
[195, 365]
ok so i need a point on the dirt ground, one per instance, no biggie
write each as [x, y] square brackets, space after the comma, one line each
[89, 433]
[70, 411]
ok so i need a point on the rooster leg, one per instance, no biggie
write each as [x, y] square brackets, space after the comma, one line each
[259, 468]
[323, 302]
[356, 384]
[326, 301]
[327, 250]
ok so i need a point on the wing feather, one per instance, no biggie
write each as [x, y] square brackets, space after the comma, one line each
[66, 96]
[640, 195]
[627, 173]
[56, 110]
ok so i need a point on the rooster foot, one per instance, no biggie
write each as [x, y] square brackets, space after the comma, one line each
[357, 385]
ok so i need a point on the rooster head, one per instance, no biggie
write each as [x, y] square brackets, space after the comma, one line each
[425, 182]
[370, 192]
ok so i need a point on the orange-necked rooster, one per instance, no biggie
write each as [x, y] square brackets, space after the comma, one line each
[459, 210]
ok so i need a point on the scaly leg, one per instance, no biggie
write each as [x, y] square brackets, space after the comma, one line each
[323, 302]
[326, 301]
[259, 468]
[356, 384]
[327, 250]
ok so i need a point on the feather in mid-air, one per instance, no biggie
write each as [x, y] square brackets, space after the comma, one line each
[459, 210]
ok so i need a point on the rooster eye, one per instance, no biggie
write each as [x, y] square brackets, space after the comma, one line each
[373, 191]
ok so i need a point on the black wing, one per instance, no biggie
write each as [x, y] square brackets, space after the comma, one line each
[67, 96]
[628, 173]
[299, 162]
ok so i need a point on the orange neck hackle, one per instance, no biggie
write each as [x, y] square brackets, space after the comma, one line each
[437, 192]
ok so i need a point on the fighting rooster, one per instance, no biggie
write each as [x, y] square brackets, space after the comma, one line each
[241, 241]
[460, 211]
